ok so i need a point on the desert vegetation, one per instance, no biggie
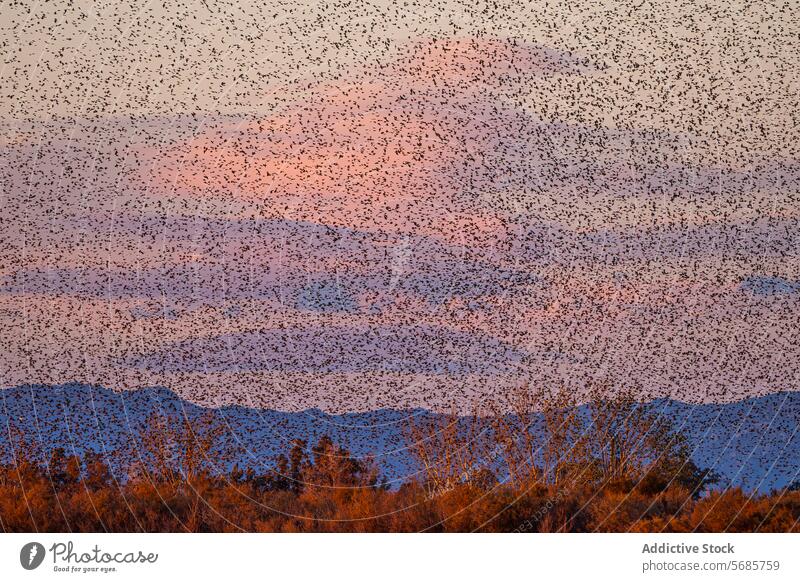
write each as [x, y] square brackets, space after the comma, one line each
[536, 462]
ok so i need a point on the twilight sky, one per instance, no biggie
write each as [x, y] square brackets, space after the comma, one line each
[349, 206]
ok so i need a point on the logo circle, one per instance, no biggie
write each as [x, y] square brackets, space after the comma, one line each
[31, 555]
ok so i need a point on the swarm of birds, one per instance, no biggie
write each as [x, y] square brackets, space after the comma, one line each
[353, 206]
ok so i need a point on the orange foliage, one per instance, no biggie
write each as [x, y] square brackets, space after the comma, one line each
[623, 474]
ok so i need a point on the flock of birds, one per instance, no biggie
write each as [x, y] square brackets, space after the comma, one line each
[378, 215]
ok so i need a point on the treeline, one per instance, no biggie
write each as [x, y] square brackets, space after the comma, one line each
[537, 462]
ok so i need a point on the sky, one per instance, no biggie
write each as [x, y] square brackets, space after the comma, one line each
[351, 206]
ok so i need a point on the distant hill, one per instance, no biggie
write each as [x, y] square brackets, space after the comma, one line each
[753, 443]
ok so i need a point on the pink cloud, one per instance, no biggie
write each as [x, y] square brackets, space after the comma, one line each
[393, 150]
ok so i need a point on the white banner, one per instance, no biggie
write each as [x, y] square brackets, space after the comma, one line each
[352, 557]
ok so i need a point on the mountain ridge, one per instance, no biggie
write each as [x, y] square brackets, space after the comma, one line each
[753, 442]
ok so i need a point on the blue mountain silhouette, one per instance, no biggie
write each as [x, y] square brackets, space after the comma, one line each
[753, 443]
